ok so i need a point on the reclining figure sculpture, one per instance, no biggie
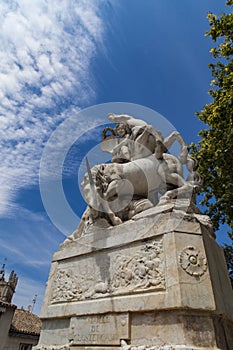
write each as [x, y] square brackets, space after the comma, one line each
[142, 174]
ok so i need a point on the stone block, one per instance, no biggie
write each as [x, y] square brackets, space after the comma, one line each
[103, 330]
[155, 282]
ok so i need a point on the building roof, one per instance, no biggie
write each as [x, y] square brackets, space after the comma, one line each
[25, 322]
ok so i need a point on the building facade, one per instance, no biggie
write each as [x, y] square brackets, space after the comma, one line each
[19, 329]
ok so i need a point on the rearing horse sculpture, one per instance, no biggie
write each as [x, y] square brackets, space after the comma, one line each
[147, 170]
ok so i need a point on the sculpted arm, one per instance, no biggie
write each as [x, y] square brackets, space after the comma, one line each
[126, 119]
[134, 123]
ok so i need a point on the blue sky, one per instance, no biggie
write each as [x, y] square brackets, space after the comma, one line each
[57, 58]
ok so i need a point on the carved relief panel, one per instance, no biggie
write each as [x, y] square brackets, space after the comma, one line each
[112, 272]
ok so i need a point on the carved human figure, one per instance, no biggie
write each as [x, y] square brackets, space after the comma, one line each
[121, 152]
[151, 138]
[137, 138]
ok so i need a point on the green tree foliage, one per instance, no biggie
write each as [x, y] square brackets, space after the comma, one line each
[215, 149]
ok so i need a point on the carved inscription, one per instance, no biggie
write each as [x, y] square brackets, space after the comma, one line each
[132, 269]
[99, 330]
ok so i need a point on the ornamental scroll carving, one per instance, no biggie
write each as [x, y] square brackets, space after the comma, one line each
[132, 269]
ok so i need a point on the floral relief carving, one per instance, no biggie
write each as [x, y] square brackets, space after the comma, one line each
[193, 261]
[69, 286]
[140, 271]
[132, 269]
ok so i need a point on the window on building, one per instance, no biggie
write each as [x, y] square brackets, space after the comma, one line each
[25, 346]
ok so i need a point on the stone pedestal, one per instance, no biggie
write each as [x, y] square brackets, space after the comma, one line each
[158, 281]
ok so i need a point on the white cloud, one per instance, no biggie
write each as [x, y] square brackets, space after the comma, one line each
[45, 55]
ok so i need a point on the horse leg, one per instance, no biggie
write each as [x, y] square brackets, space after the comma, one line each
[115, 220]
[153, 197]
[174, 136]
[111, 192]
[182, 186]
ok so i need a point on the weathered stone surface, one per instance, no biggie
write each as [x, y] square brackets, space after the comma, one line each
[143, 264]
[140, 172]
[171, 285]
[106, 329]
[118, 272]
[221, 285]
[153, 222]
[142, 271]
[175, 328]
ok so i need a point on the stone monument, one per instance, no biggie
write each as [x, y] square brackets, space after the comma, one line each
[143, 269]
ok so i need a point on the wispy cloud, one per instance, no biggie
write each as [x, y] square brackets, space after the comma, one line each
[30, 246]
[26, 289]
[45, 55]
